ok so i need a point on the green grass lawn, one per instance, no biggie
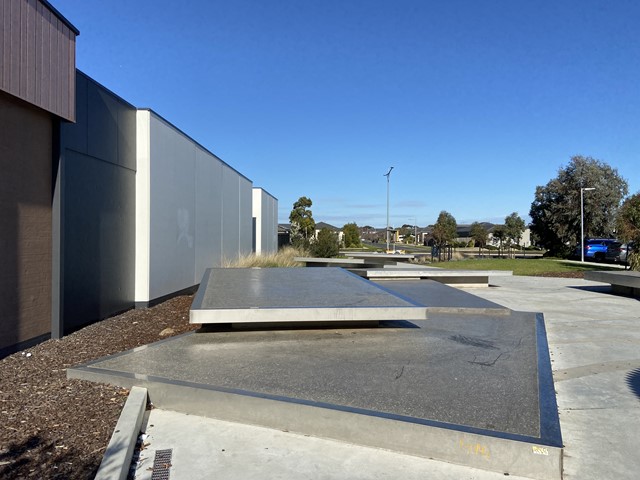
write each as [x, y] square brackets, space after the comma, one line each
[522, 266]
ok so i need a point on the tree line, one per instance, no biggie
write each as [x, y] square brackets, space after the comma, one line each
[585, 185]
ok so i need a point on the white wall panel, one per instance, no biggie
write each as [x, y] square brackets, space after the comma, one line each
[256, 211]
[265, 211]
[193, 211]
[270, 225]
[172, 232]
[208, 213]
[143, 205]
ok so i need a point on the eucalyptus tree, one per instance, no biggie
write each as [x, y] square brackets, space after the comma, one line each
[445, 229]
[303, 226]
[500, 233]
[555, 211]
[514, 228]
[479, 235]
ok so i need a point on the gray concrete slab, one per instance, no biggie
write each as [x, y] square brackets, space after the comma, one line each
[205, 448]
[458, 278]
[381, 258]
[254, 295]
[594, 340]
[465, 389]
[442, 299]
[330, 262]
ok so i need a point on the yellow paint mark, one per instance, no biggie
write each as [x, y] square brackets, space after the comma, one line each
[475, 448]
[539, 450]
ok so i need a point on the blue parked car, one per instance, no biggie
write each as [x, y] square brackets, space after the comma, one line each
[596, 248]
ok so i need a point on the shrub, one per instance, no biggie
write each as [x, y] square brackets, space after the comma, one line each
[326, 246]
[283, 258]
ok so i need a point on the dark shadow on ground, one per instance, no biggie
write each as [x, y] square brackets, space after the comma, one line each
[20, 460]
[633, 381]
[593, 288]
[605, 289]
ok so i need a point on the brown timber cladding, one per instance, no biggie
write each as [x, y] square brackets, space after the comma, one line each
[37, 56]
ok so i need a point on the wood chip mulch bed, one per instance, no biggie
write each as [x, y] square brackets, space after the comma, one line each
[51, 427]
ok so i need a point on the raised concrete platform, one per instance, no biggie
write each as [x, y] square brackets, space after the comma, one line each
[623, 283]
[331, 262]
[473, 389]
[381, 258]
[466, 278]
[298, 295]
[440, 298]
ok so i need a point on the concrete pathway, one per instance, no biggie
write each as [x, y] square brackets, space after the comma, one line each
[594, 340]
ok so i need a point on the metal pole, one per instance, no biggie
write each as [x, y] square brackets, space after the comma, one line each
[582, 225]
[388, 174]
[582, 190]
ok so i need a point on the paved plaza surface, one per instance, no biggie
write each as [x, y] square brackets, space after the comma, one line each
[594, 339]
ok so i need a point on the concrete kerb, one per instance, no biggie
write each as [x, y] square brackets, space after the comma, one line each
[117, 457]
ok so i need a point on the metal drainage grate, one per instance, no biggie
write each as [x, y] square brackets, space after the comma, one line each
[162, 464]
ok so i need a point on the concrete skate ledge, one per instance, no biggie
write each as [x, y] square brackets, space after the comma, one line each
[331, 262]
[623, 283]
[296, 295]
[468, 278]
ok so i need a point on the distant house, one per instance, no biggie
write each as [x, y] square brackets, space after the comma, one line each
[463, 235]
[336, 230]
[284, 232]
[284, 235]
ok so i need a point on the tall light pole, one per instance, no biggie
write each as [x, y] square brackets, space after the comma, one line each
[388, 174]
[415, 230]
[582, 190]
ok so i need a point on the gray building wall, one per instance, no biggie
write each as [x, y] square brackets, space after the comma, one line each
[94, 210]
[193, 211]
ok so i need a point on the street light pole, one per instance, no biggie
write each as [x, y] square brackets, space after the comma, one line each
[582, 190]
[415, 230]
[388, 174]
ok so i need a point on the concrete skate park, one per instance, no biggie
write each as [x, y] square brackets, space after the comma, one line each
[405, 364]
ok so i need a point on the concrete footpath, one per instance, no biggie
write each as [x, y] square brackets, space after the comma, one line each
[594, 340]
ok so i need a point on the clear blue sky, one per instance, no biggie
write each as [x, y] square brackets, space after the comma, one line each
[474, 103]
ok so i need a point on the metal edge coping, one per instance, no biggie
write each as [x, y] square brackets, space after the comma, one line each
[549, 419]
[196, 304]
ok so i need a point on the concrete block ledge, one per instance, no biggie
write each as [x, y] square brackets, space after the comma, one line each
[117, 458]
[622, 283]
